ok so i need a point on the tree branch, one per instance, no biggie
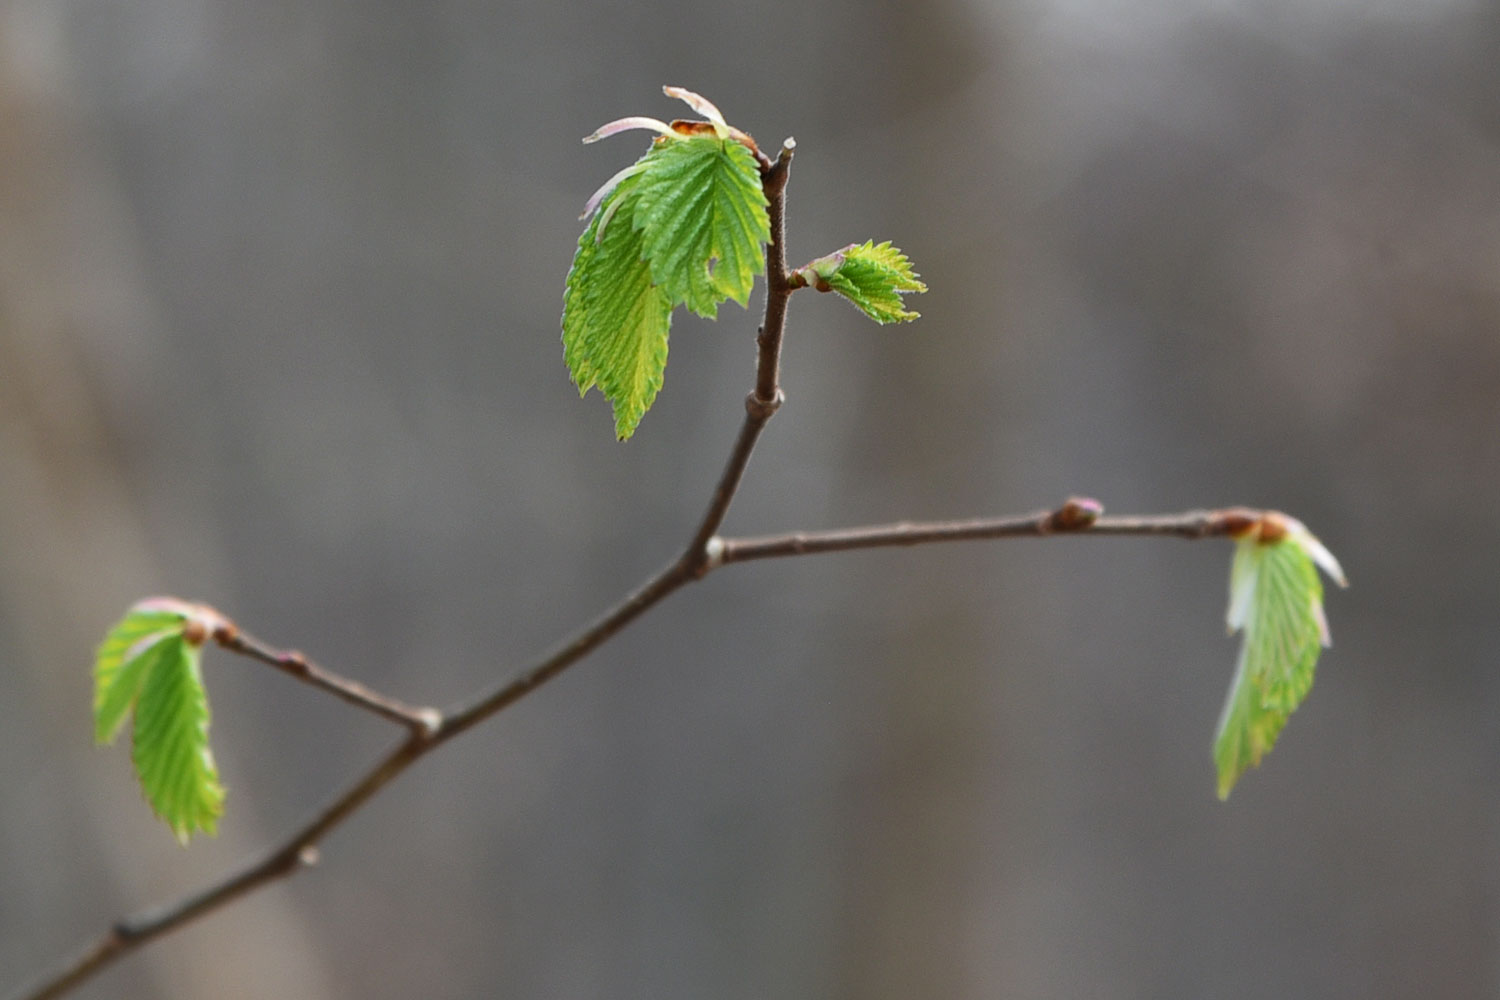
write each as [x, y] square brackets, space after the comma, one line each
[428, 729]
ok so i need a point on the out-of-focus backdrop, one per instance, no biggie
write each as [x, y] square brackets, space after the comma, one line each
[279, 298]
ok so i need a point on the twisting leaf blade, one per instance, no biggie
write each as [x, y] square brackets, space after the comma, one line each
[1287, 631]
[1276, 599]
[170, 751]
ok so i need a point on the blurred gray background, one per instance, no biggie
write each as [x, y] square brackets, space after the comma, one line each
[279, 298]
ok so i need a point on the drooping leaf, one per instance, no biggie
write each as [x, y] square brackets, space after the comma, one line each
[1276, 600]
[615, 320]
[873, 277]
[701, 211]
[170, 744]
[148, 665]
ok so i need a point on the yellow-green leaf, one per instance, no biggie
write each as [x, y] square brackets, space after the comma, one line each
[872, 277]
[1276, 600]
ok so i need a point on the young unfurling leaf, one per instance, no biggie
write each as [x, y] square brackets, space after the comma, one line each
[685, 225]
[1276, 600]
[149, 664]
[873, 277]
[702, 213]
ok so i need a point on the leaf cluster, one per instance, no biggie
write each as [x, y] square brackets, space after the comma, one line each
[149, 666]
[685, 225]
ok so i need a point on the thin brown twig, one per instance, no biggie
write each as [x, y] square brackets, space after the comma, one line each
[292, 662]
[1078, 517]
[778, 286]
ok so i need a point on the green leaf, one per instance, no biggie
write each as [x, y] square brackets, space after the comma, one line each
[149, 664]
[615, 320]
[1276, 598]
[872, 277]
[170, 750]
[119, 667]
[701, 210]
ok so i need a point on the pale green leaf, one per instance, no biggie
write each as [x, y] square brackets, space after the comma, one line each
[701, 211]
[615, 320]
[170, 744]
[872, 277]
[1276, 599]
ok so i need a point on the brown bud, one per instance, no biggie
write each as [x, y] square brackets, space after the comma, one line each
[1272, 527]
[1077, 513]
[1236, 522]
[194, 631]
